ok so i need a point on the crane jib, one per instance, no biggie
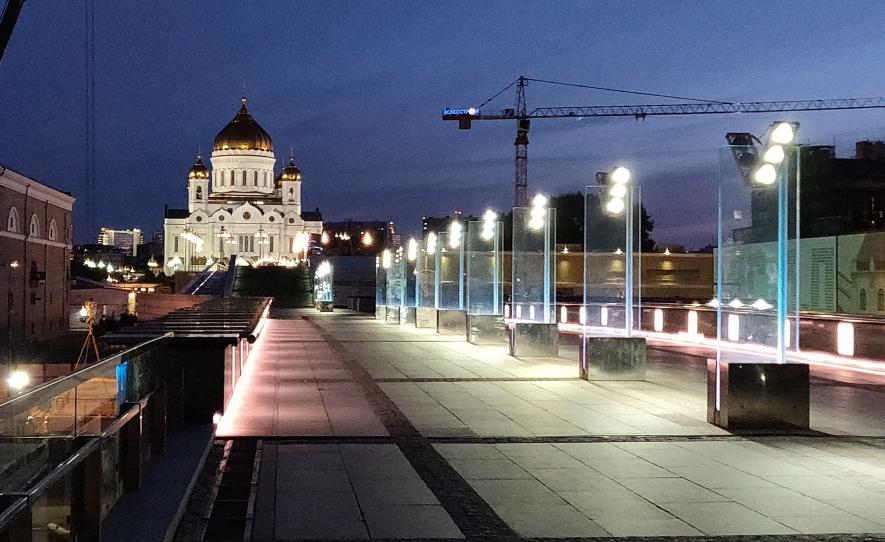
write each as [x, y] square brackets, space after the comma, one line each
[669, 109]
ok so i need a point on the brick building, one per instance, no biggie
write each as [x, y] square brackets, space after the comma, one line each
[35, 250]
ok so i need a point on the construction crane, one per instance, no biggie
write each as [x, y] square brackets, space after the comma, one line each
[7, 22]
[522, 115]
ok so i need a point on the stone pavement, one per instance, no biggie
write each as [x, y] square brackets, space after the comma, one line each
[379, 431]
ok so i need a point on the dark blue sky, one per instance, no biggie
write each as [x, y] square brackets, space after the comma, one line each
[357, 87]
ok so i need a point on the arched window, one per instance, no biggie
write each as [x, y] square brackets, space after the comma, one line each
[880, 300]
[233, 181]
[199, 192]
[255, 178]
[34, 229]
[291, 194]
[53, 232]
[265, 178]
[244, 177]
[12, 220]
[862, 300]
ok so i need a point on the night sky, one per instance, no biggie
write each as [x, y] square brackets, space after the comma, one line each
[357, 89]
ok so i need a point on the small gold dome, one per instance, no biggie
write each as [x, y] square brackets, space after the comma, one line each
[289, 173]
[198, 170]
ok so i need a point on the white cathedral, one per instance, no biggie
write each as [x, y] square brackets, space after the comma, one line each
[249, 212]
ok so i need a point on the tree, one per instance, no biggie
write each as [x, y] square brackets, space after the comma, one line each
[570, 220]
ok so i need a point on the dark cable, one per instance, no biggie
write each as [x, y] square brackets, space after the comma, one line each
[496, 95]
[622, 91]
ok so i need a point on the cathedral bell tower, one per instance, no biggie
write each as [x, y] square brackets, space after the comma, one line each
[290, 186]
[197, 186]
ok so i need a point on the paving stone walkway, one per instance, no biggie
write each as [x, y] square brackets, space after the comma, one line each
[378, 431]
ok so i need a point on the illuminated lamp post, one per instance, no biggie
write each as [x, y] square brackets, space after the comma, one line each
[531, 324]
[261, 239]
[224, 236]
[761, 390]
[451, 316]
[485, 295]
[608, 349]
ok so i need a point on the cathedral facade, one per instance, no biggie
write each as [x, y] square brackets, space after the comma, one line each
[240, 207]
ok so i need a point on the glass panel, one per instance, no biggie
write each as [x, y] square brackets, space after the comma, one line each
[756, 268]
[426, 267]
[451, 271]
[410, 279]
[534, 264]
[396, 278]
[111, 474]
[485, 269]
[51, 513]
[612, 261]
[95, 403]
[380, 282]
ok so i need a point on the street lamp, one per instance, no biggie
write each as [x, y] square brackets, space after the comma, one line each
[261, 239]
[539, 210]
[616, 180]
[224, 235]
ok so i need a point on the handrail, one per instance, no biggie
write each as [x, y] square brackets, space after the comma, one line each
[9, 513]
[11, 407]
[64, 467]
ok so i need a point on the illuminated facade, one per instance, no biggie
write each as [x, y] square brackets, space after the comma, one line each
[128, 240]
[35, 254]
[240, 207]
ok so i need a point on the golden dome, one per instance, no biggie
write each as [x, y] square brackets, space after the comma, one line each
[290, 172]
[198, 170]
[243, 134]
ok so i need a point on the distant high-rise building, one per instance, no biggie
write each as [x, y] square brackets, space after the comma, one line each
[128, 240]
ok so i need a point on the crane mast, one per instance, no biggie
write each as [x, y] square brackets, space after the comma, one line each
[523, 116]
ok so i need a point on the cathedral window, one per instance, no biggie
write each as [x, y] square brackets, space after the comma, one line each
[271, 244]
[291, 194]
[12, 220]
[175, 244]
[244, 177]
[53, 232]
[863, 299]
[255, 178]
[199, 192]
[233, 181]
[34, 230]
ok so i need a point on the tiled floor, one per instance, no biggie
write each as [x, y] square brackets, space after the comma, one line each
[345, 491]
[550, 455]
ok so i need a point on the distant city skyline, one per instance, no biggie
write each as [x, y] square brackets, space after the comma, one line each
[357, 91]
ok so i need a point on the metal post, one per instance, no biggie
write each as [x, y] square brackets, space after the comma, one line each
[782, 218]
[461, 273]
[437, 260]
[628, 257]
[496, 269]
[547, 257]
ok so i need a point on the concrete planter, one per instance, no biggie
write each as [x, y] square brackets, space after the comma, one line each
[612, 358]
[531, 339]
[407, 315]
[486, 329]
[758, 395]
[425, 317]
[451, 322]
[393, 315]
